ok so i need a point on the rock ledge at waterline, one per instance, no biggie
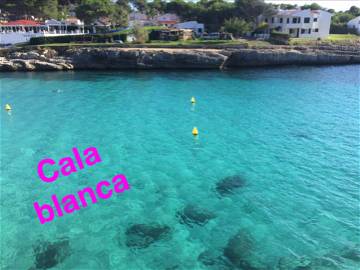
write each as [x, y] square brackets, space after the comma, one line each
[77, 58]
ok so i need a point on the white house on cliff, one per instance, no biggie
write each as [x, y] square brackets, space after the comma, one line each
[300, 23]
[354, 24]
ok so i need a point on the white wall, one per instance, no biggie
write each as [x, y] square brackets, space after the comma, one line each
[22, 37]
[354, 23]
[192, 25]
[17, 37]
[324, 24]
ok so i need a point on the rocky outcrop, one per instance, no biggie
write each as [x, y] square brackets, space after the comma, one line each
[192, 214]
[113, 58]
[34, 61]
[230, 184]
[50, 254]
[250, 57]
[166, 58]
[144, 235]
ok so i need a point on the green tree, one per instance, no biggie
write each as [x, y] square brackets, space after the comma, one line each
[119, 15]
[47, 9]
[251, 9]
[140, 5]
[124, 4]
[156, 6]
[180, 7]
[141, 35]
[90, 10]
[214, 12]
[236, 26]
[63, 12]
[313, 6]
[355, 11]
[18, 7]
[287, 6]
[341, 18]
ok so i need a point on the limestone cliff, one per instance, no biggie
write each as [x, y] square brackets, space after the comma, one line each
[77, 58]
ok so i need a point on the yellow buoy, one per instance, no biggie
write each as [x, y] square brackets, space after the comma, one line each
[195, 131]
[7, 107]
[193, 101]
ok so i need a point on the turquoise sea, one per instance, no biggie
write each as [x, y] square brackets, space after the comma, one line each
[287, 138]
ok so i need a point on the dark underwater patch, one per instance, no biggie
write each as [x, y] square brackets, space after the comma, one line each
[50, 254]
[228, 185]
[239, 249]
[294, 263]
[143, 235]
[208, 258]
[192, 214]
[352, 253]
[213, 259]
[302, 136]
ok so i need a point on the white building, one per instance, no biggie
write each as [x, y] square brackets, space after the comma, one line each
[198, 28]
[22, 31]
[300, 23]
[354, 24]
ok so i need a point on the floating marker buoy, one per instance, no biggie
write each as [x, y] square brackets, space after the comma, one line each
[195, 131]
[193, 101]
[7, 107]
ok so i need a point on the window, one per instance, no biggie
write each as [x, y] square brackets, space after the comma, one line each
[302, 31]
[294, 20]
[315, 19]
[272, 20]
[316, 29]
[288, 20]
[298, 20]
[309, 31]
[266, 20]
[281, 20]
[306, 20]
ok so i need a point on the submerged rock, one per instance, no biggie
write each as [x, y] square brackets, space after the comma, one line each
[50, 254]
[239, 249]
[143, 235]
[302, 136]
[213, 259]
[208, 257]
[324, 263]
[294, 263]
[192, 214]
[227, 185]
[352, 254]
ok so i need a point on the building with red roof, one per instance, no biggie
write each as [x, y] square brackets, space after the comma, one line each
[21, 23]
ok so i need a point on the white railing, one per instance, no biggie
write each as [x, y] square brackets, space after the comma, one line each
[9, 37]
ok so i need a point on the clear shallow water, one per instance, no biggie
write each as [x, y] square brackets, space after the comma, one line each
[291, 133]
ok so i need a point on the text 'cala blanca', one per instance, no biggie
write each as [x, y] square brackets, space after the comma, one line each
[71, 202]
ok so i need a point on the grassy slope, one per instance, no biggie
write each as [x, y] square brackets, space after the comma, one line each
[345, 39]
[147, 28]
[182, 43]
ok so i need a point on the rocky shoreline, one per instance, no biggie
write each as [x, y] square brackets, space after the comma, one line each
[85, 58]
